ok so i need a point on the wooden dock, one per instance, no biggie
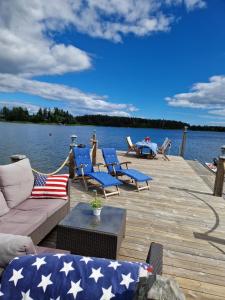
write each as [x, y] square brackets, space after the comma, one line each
[179, 212]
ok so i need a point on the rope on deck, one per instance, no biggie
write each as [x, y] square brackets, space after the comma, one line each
[56, 171]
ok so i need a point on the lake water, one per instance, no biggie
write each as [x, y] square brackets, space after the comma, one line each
[47, 152]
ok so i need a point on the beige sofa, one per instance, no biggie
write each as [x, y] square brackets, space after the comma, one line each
[21, 215]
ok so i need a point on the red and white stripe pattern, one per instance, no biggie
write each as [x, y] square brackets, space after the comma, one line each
[53, 186]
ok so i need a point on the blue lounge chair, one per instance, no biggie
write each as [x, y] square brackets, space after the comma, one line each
[85, 170]
[115, 168]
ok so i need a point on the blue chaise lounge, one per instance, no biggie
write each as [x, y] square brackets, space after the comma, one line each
[115, 168]
[85, 170]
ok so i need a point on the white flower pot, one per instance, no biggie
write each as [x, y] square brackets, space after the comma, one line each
[97, 211]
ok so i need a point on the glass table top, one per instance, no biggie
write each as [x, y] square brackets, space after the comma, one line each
[81, 217]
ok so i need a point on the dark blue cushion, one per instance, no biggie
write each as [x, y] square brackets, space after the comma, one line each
[82, 156]
[136, 175]
[110, 157]
[105, 179]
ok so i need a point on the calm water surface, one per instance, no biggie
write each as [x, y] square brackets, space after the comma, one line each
[47, 152]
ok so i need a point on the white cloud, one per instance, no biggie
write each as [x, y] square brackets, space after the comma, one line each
[190, 4]
[218, 112]
[30, 107]
[27, 29]
[25, 47]
[73, 98]
[209, 95]
[193, 4]
[217, 123]
[29, 47]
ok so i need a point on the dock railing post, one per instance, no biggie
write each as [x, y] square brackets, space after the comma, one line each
[183, 143]
[71, 158]
[219, 181]
[94, 148]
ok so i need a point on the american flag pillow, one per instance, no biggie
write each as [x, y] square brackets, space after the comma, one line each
[53, 186]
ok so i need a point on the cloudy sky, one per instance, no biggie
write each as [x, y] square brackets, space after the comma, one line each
[147, 58]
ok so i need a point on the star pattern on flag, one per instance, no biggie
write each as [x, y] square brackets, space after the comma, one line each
[40, 179]
[39, 262]
[45, 281]
[66, 276]
[107, 294]
[26, 296]
[114, 265]
[96, 274]
[75, 288]
[1, 294]
[126, 280]
[17, 275]
[59, 255]
[67, 267]
[86, 259]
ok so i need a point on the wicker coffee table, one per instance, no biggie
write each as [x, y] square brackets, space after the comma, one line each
[85, 234]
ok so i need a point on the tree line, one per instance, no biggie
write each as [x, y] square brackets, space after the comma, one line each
[59, 116]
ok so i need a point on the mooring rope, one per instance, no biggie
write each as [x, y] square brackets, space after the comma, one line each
[56, 171]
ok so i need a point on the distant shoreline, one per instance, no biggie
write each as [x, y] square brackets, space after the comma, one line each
[206, 129]
[58, 116]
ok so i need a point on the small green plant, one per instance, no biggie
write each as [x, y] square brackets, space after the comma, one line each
[96, 202]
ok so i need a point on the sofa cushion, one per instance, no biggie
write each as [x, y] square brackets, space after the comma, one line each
[21, 222]
[3, 206]
[12, 246]
[16, 182]
[45, 206]
[53, 186]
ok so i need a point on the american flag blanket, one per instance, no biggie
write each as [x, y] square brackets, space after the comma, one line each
[53, 186]
[60, 276]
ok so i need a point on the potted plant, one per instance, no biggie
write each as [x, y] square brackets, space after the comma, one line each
[96, 205]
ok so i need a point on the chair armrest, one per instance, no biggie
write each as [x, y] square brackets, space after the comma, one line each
[111, 164]
[125, 163]
[155, 258]
[81, 166]
[99, 164]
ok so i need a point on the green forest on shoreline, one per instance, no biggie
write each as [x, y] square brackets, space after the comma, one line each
[59, 116]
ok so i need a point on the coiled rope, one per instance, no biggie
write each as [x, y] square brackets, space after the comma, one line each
[56, 171]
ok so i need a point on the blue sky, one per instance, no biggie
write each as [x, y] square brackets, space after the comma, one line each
[145, 58]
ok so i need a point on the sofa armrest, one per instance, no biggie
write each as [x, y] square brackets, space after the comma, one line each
[43, 250]
[14, 245]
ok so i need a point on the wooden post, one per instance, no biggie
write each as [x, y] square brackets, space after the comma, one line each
[94, 148]
[71, 158]
[183, 143]
[17, 157]
[223, 150]
[219, 181]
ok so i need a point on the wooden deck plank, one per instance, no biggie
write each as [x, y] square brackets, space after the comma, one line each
[180, 212]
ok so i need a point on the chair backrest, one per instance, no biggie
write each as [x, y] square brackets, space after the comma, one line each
[129, 142]
[110, 157]
[167, 145]
[82, 156]
[164, 143]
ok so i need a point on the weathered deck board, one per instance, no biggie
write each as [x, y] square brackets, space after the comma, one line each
[180, 212]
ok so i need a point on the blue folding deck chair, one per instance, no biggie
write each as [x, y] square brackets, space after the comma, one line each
[115, 168]
[85, 170]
